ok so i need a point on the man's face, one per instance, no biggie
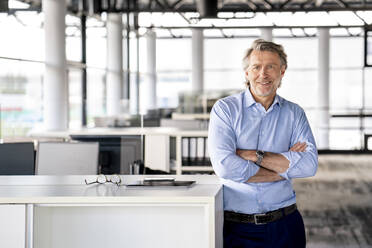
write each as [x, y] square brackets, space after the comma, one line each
[264, 73]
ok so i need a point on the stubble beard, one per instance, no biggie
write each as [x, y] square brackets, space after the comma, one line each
[259, 93]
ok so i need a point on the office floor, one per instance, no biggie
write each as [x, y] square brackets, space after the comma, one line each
[336, 204]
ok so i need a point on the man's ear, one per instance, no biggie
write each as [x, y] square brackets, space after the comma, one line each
[282, 71]
[246, 74]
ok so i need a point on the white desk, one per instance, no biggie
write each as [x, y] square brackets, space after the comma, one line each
[61, 211]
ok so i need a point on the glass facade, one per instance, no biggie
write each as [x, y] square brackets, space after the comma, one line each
[21, 76]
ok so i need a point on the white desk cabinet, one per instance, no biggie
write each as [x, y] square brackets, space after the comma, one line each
[12, 225]
[122, 225]
[67, 213]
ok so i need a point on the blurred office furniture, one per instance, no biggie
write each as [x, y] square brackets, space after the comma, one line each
[186, 153]
[116, 152]
[17, 159]
[150, 119]
[193, 110]
[131, 150]
[190, 155]
[186, 124]
[157, 152]
[64, 158]
[126, 121]
[366, 141]
[196, 103]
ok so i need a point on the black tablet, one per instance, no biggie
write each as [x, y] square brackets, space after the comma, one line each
[162, 183]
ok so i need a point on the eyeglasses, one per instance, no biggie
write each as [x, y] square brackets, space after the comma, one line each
[101, 179]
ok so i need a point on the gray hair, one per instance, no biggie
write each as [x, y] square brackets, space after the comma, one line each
[263, 45]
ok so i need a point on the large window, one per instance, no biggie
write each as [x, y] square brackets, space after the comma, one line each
[173, 64]
[22, 70]
[20, 81]
[20, 97]
[346, 92]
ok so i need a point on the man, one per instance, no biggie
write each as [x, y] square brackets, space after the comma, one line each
[258, 142]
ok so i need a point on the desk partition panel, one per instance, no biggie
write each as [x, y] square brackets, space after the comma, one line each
[63, 158]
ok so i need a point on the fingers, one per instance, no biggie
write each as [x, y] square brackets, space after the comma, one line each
[298, 147]
[301, 147]
[295, 147]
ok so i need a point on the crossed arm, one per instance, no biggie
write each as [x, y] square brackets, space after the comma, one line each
[271, 165]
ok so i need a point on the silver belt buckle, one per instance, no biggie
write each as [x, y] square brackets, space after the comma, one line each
[256, 219]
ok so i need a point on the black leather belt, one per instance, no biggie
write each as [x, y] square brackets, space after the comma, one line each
[260, 219]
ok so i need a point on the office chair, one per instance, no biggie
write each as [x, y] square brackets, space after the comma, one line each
[17, 159]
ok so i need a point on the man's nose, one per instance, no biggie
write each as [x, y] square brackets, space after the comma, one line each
[263, 71]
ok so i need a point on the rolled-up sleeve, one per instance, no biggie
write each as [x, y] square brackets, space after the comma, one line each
[222, 147]
[302, 164]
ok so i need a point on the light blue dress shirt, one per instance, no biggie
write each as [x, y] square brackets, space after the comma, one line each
[239, 122]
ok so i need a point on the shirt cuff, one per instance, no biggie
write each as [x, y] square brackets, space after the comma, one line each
[293, 158]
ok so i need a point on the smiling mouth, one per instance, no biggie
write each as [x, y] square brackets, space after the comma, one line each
[265, 83]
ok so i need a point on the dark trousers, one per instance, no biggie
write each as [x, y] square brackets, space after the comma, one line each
[288, 232]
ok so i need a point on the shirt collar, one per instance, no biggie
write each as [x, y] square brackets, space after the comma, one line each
[249, 100]
[278, 100]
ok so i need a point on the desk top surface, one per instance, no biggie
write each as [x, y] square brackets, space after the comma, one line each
[72, 189]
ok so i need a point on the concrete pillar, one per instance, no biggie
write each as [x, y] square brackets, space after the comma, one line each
[55, 77]
[323, 89]
[150, 82]
[127, 48]
[135, 78]
[197, 67]
[114, 63]
[267, 34]
[133, 95]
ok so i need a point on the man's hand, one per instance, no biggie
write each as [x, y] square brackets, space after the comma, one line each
[298, 147]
